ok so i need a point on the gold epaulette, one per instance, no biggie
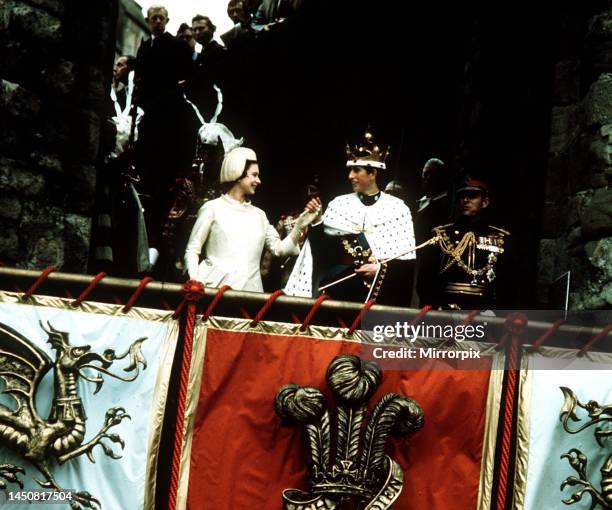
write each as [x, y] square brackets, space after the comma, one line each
[441, 227]
[501, 230]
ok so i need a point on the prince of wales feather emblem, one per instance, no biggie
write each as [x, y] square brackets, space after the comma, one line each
[578, 460]
[22, 367]
[365, 475]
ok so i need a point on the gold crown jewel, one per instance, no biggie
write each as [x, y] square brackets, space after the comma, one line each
[348, 471]
[367, 153]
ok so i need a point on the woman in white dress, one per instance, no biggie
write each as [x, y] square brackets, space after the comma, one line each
[232, 232]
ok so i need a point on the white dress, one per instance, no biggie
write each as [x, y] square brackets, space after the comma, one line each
[232, 236]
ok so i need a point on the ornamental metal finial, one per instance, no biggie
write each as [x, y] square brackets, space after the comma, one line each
[364, 474]
[577, 460]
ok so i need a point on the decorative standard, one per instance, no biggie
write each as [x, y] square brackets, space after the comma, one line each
[577, 460]
[348, 473]
[59, 437]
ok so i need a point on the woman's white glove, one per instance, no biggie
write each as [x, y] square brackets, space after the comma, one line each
[311, 213]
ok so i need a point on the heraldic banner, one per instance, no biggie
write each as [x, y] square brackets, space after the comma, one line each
[83, 392]
[238, 454]
[563, 422]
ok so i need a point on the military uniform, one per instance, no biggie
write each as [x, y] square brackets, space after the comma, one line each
[471, 258]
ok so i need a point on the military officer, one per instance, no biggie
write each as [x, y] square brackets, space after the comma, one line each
[463, 267]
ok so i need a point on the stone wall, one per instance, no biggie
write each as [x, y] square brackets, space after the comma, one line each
[577, 219]
[56, 60]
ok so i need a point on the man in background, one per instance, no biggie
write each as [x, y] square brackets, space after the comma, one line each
[185, 33]
[208, 70]
[241, 33]
[467, 267]
[435, 207]
[167, 133]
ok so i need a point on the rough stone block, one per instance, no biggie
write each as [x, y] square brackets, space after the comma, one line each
[49, 163]
[588, 298]
[5, 15]
[9, 244]
[574, 237]
[599, 254]
[9, 134]
[573, 208]
[18, 101]
[567, 83]
[10, 207]
[16, 178]
[96, 92]
[86, 136]
[598, 48]
[546, 267]
[596, 215]
[36, 23]
[551, 220]
[58, 131]
[606, 294]
[598, 101]
[41, 218]
[80, 196]
[77, 232]
[563, 128]
[53, 6]
[600, 27]
[546, 261]
[579, 163]
[46, 251]
[60, 78]
[586, 289]
[41, 232]
[600, 153]
[556, 178]
[598, 180]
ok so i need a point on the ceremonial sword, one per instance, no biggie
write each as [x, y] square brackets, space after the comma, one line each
[433, 240]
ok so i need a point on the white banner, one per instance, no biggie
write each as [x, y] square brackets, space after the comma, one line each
[542, 438]
[122, 399]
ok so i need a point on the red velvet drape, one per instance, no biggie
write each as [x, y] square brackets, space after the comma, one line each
[242, 457]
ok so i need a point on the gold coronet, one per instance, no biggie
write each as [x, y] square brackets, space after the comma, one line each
[368, 151]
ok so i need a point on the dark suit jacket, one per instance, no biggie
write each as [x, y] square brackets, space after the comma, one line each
[270, 11]
[237, 36]
[208, 72]
[159, 68]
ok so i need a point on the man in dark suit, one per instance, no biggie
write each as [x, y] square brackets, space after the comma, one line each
[271, 13]
[241, 33]
[168, 130]
[209, 65]
[435, 207]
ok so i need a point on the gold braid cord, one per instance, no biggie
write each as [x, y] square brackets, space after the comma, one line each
[455, 253]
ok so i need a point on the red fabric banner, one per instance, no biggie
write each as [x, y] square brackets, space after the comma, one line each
[242, 457]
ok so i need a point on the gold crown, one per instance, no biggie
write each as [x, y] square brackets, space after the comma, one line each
[367, 153]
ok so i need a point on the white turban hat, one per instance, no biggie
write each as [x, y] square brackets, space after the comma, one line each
[234, 163]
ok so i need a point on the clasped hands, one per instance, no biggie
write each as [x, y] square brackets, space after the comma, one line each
[312, 214]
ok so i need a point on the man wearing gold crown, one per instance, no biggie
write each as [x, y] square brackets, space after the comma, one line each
[362, 247]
